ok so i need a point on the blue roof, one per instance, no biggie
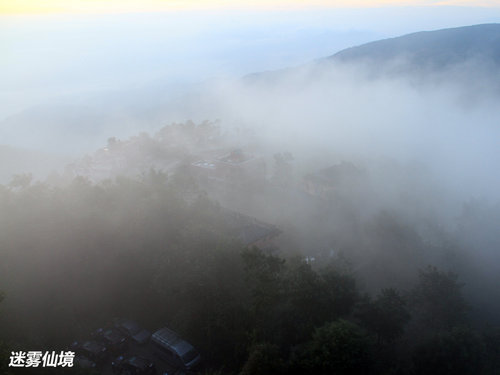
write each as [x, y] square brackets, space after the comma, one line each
[169, 338]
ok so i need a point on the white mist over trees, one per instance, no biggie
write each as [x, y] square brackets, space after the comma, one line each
[376, 186]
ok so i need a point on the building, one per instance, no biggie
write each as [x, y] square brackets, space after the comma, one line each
[235, 167]
[250, 231]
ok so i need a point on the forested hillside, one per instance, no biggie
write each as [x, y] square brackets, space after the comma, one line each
[157, 248]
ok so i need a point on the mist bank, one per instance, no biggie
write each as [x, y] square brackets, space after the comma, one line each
[159, 250]
[424, 143]
[21, 161]
[322, 113]
[156, 245]
[338, 110]
[90, 86]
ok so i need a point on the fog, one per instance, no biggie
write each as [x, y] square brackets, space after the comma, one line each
[55, 57]
[427, 148]
[336, 112]
[143, 222]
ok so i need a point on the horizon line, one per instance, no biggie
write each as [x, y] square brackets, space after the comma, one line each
[95, 7]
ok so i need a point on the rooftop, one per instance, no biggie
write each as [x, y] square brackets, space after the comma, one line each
[204, 164]
[171, 339]
[248, 229]
[236, 157]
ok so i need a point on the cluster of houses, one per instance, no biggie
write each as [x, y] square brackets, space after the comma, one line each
[232, 167]
[214, 168]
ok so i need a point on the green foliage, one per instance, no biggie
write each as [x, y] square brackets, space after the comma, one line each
[386, 316]
[289, 298]
[263, 359]
[341, 293]
[263, 273]
[339, 347]
[491, 340]
[216, 304]
[4, 351]
[74, 257]
[457, 352]
[438, 299]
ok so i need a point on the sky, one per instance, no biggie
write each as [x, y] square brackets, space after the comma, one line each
[113, 6]
[54, 49]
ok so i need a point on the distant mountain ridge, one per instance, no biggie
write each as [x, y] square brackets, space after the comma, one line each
[429, 57]
[419, 55]
[432, 49]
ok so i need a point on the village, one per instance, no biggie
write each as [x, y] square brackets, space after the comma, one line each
[202, 159]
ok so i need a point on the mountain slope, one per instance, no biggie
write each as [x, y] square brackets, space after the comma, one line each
[434, 50]
[465, 59]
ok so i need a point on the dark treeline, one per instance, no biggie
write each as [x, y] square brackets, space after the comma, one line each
[75, 257]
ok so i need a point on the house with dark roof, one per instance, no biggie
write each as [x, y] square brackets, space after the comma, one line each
[250, 231]
[234, 167]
